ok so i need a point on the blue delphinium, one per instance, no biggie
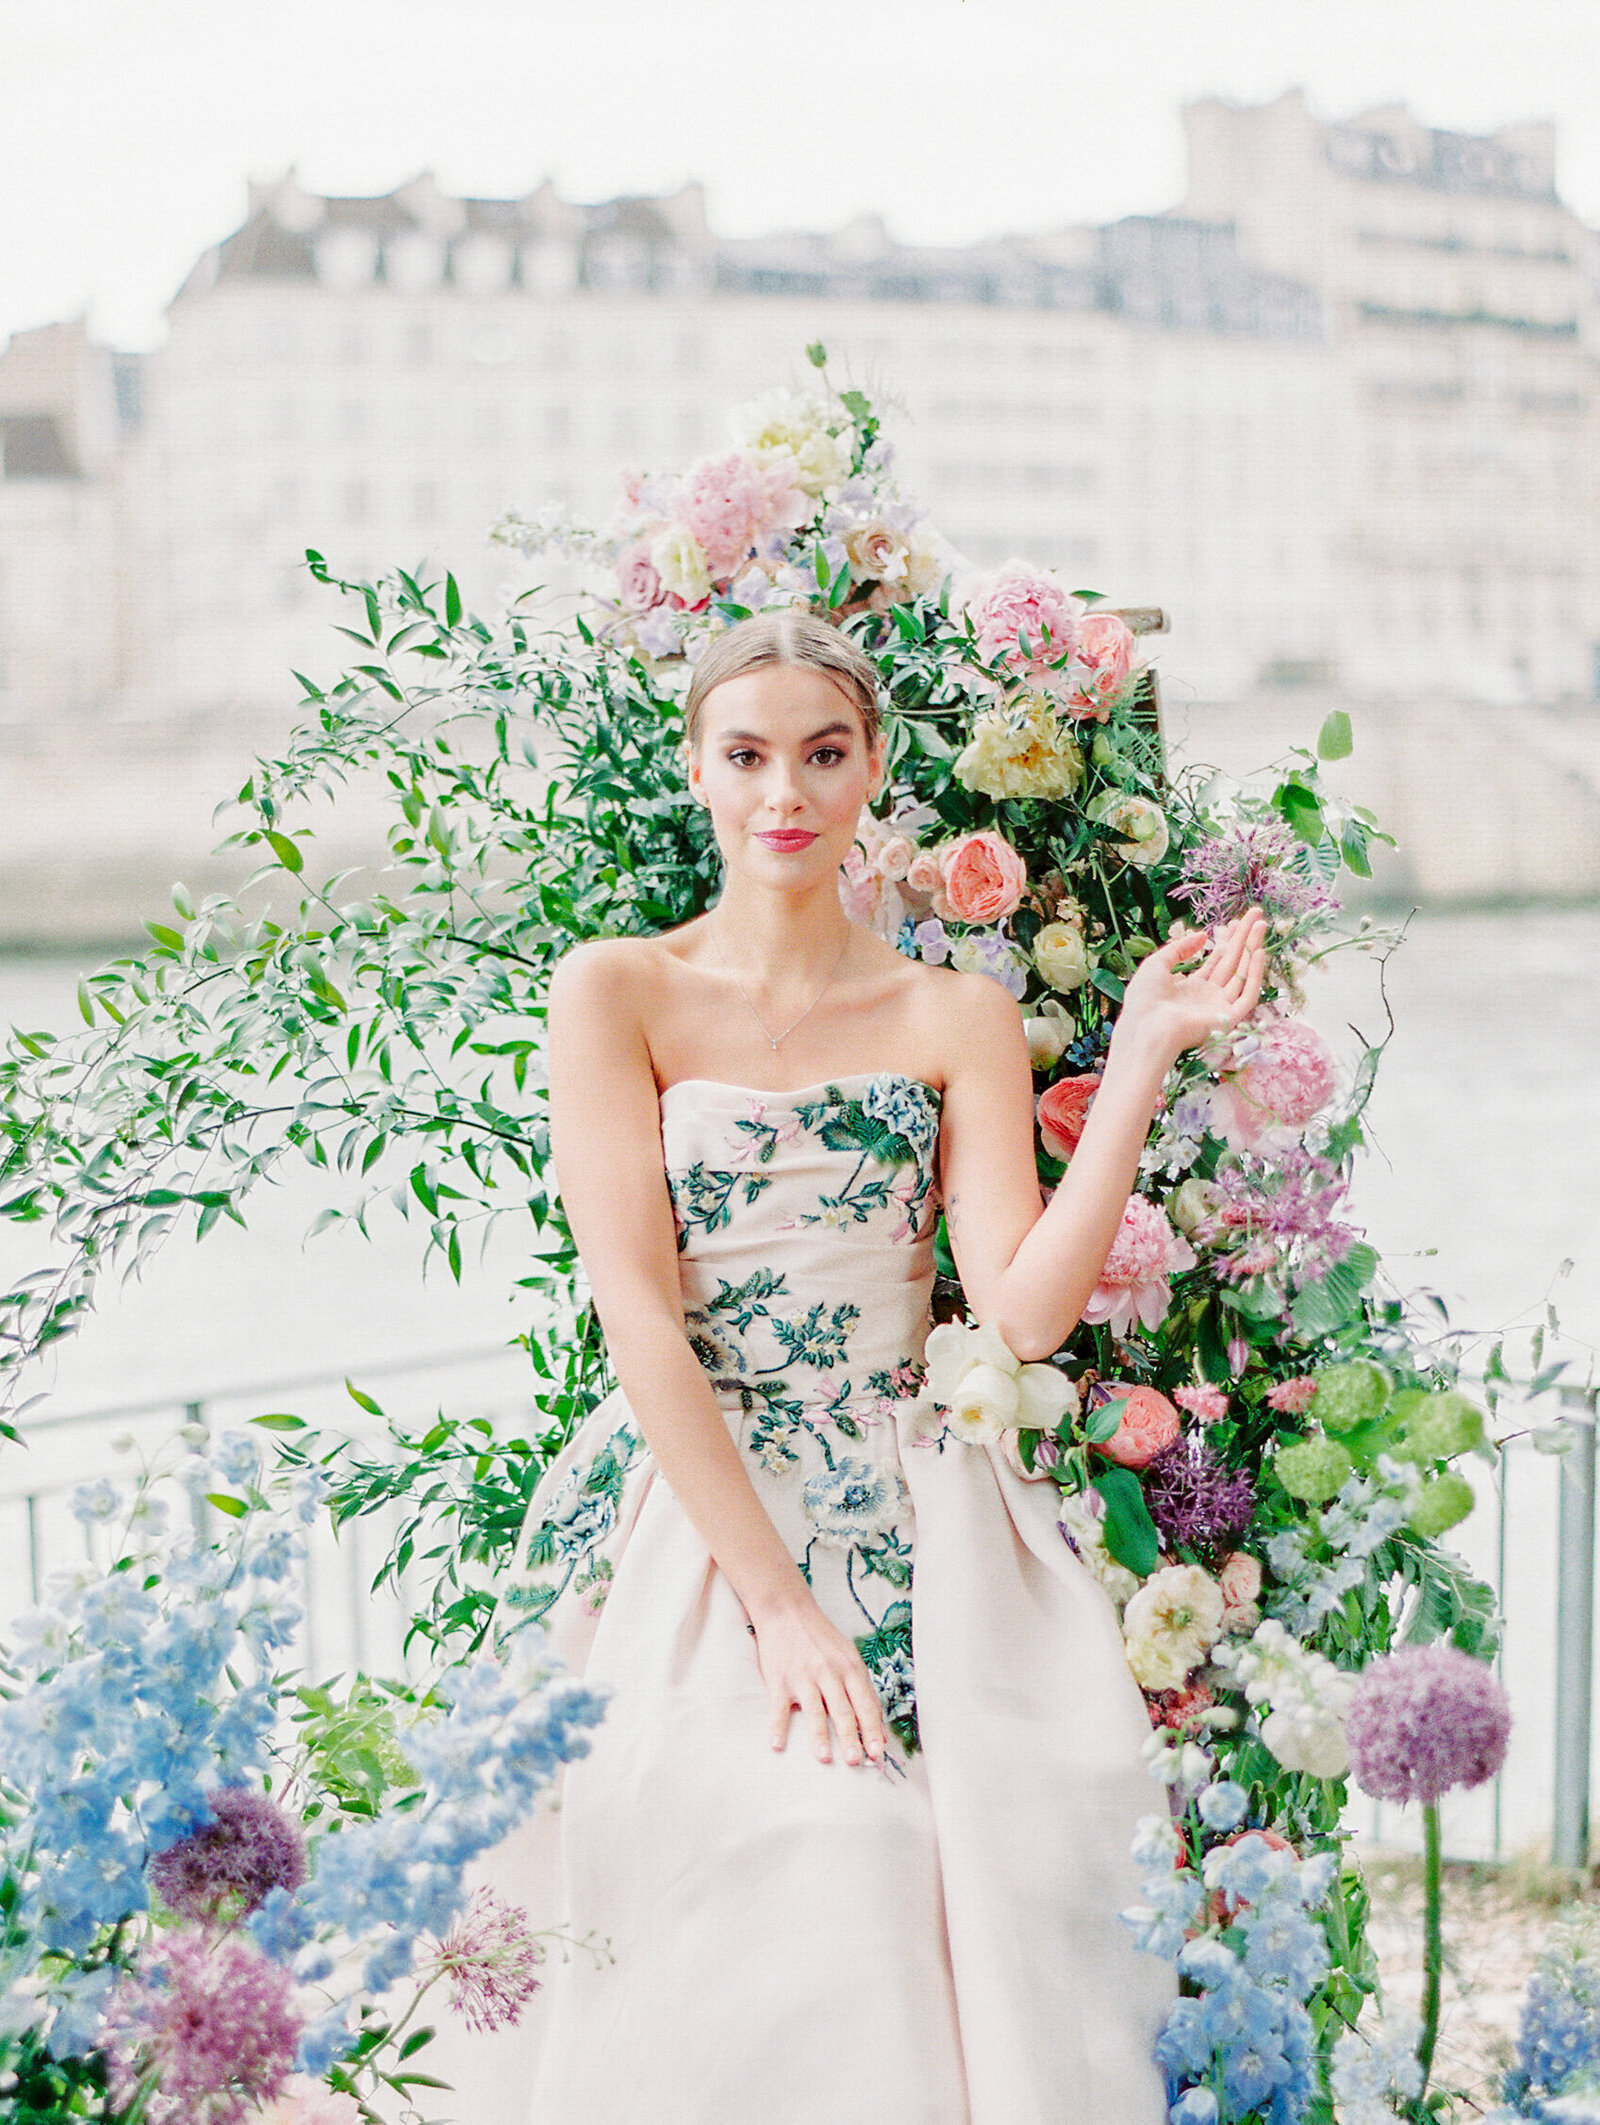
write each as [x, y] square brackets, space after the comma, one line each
[1241, 2042]
[1558, 2043]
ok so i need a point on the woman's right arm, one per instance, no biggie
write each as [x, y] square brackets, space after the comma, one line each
[605, 1131]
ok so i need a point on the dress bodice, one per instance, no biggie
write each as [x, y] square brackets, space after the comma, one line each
[805, 1236]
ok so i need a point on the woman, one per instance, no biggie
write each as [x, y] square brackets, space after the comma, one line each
[838, 1889]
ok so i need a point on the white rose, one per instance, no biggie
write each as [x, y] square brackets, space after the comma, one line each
[1048, 1035]
[679, 560]
[973, 1374]
[1061, 955]
[1171, 1624]
[1143, 822]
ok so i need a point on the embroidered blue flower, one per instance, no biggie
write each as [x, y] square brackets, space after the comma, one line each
[906, 1107]
[853, 1499]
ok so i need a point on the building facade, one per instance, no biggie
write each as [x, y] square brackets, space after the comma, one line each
[1289, 413]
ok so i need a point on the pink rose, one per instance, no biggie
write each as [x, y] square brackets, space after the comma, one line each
[1284, 1084]
[1062, 1109]
[923, 873]
[1104, 649]
[1148, 1424]
[1021, 606]
[982, 879]
[1240, 1580]
[859, 889]
[639, 587]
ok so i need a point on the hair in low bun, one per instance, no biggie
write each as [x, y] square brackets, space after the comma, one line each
[792, 636]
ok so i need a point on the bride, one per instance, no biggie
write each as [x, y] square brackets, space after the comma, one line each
[856, 1824]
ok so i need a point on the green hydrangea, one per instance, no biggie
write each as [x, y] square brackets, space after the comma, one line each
[1443, 1501]
[1440, 1426]
[1351, 1394]
[1314, 1469]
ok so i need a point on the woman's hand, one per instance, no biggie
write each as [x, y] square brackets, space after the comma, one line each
[811, 1667]
[1181, 1010]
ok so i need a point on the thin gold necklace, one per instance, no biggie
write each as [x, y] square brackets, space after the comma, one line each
[776, 1038]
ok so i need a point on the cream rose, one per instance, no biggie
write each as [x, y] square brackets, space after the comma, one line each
[1142, 822]
[1061, 955]
[1048, 1035]
[876, 554]
[1020, 750]
[679, 560]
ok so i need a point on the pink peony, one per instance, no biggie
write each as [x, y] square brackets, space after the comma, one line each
[1292, 1398]
[729, 504]
[1024, 606]
[1062, 1109]
[639, 587]
[1239, 1577]
[1209, 1404]
[982, 879]
[1104, 649]
[1146, 1427]
[1133, 1284]
[1282, 1085]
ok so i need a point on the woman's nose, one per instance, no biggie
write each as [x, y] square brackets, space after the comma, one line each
[784, 793]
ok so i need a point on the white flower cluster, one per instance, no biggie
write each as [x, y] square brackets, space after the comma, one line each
[550, 530]
[1371, 2064]
[1305, 1696]
[985, 1391]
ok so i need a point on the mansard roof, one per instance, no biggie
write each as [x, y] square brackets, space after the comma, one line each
[1159, 270]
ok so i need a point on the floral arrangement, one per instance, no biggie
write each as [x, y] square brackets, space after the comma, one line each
[1255, 1450]
[203, 1912]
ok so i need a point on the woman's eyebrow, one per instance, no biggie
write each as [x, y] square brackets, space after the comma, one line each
[752, 737]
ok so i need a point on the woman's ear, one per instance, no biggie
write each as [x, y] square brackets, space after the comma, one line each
[876, 756]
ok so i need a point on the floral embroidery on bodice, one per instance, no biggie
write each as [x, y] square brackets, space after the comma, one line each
[805, 1251]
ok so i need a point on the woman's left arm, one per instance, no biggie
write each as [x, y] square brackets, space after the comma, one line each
[1029, 1271]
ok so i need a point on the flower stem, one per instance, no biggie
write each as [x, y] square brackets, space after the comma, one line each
[1432, 1942]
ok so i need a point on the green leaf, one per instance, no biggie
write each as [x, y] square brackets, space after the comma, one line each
[1130, 1532]
[415, 2041]
[452, 602]
[362, 1401]
[85, 1004]
[1301, 812]
[1334, 740]
[172, 939]
[1353, 848]
[286, 852]
[1101, 1424]
[817, 355]
[235, 1508]
[280, 1420]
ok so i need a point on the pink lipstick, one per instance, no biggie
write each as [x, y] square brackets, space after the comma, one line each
[786, 840]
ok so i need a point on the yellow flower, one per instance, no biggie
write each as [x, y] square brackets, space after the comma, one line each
[1020, 750]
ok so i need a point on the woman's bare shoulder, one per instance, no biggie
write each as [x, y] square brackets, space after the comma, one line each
[965, 1019]
[602, 969]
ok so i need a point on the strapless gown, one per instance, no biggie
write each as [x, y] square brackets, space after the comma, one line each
[932, 1943]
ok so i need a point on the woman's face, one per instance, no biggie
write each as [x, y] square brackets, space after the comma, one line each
[784, 765]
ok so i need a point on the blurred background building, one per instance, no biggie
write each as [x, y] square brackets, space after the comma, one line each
[1336, 414]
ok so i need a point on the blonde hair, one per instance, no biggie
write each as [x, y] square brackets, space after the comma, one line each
[793, 636]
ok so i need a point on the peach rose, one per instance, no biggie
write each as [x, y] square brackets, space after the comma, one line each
[1240, 1580]
[1062, 1109]
[1105, 648]
[896, 856]
[923, 873]
[1149, 1423]
[982, 879]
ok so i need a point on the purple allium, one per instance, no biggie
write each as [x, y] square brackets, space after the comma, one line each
[1194, 1498]
[493, 1962]
[1252, 866]
[212, 2020]
[1425, 1719]
[230, 1865]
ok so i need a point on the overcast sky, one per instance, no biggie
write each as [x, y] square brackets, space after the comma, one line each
[129, 127]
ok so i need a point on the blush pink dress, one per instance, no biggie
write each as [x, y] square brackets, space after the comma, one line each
[932, 1943]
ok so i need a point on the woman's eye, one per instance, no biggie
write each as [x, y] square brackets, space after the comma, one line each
[741, 755]
[826, 755]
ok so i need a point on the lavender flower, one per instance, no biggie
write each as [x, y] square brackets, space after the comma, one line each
[1423, 1720]
[212, 2021]
[1279, 1214]
[249, 1848]
[1194, 1498]
[1252, 866]
[493, 1962]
